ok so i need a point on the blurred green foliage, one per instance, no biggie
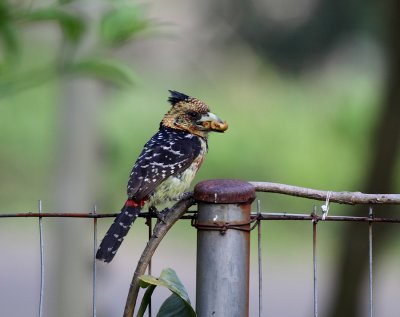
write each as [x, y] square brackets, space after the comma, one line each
[286, 133]
[123, 22]
[42, 43]
[71, 23]
[118, 23]
[310, 131]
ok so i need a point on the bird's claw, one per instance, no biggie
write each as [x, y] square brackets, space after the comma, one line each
[182, 196]
[159, 214]
[162, 214]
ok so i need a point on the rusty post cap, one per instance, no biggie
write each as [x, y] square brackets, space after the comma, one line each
[224, 191]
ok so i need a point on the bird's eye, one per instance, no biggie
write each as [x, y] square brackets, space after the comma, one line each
[193, 114]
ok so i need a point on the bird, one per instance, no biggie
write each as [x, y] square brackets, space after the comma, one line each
[166, 166]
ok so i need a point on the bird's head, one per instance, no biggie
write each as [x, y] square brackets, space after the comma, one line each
[192, 115]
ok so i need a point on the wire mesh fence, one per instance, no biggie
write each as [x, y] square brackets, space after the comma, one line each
[257, 218]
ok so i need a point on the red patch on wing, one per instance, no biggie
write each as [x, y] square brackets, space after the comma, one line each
[134, 204]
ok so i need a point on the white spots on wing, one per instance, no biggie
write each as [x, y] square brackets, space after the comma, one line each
[130, 215]
[160, 164]
[167, 153]
[169, 149]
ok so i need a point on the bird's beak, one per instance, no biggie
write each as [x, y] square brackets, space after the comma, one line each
[211, 122]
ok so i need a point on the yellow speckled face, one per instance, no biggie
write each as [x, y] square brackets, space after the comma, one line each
[194, 116]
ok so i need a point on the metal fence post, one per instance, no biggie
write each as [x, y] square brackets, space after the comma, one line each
[223, 247]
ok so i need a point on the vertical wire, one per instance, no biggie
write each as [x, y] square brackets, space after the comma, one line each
[149, 223]
[94, 270]
[370, 214]
[315, 263]
[41, 260]
[259, 260]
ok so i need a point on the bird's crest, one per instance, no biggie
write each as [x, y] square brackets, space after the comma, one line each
[177, 97]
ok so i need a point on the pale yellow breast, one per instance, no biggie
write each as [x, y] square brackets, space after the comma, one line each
[172, 187]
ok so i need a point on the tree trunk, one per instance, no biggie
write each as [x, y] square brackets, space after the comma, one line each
[69, 266]
[384, 154]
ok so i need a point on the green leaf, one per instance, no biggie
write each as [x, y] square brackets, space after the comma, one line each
[71, 23]
[174, 306]
[178, 304]
[105, 69]
[122, 23]
[174, 284]
[146, 280]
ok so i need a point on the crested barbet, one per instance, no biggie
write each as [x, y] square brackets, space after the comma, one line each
[166, 166]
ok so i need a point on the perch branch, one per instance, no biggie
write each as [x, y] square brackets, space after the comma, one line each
[349, 198]
[160, 230]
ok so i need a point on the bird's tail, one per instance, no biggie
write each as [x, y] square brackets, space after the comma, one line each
[118, 230]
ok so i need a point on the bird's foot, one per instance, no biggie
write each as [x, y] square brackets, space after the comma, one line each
[159, 214]
[182, 196]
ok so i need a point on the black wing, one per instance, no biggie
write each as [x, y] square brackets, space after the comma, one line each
[168, 152]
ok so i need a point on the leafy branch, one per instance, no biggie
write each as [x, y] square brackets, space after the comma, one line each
[177, 304]
[159, 232]
[118, 23]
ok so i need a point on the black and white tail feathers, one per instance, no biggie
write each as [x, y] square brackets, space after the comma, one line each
[118, 230]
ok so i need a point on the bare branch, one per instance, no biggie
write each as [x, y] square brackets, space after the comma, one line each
[349, 198]
[160, 230]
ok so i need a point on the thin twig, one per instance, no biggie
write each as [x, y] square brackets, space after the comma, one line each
[159, 231]
[349, 198]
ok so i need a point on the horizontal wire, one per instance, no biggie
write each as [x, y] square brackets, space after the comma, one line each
[79, 215]
[192, 215]
[291, 216]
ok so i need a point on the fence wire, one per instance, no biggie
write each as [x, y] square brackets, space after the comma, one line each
[256, 217]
